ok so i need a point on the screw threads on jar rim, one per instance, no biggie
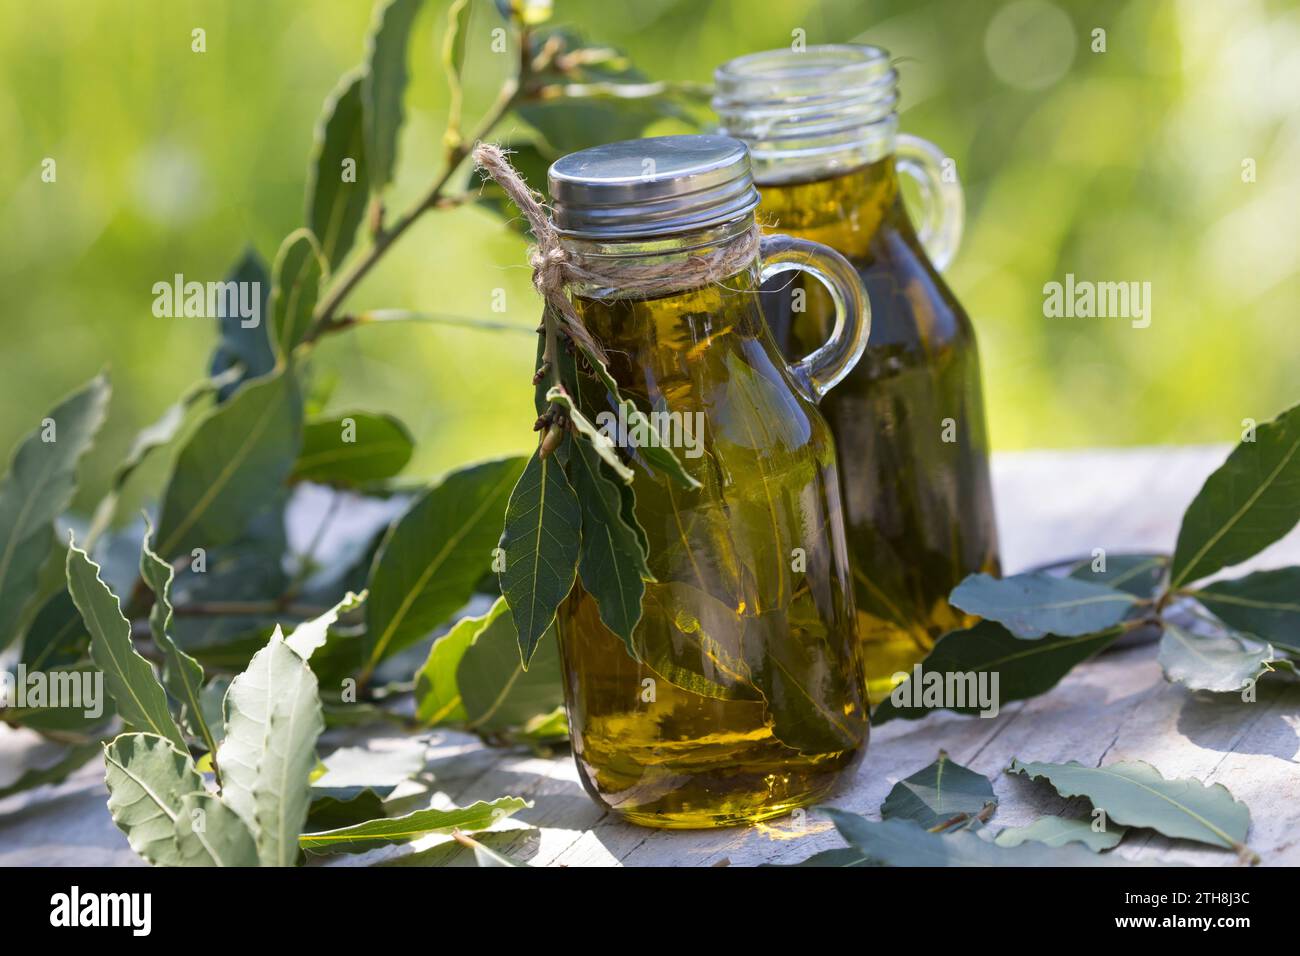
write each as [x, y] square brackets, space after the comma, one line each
[825, 109]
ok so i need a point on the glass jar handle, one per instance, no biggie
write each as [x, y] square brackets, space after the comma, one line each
[821, 371]
[945, 207]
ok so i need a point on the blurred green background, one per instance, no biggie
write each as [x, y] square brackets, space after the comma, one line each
[1116, 166]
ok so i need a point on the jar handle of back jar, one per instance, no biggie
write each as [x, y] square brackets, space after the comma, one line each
[944, 216]
[822, 370]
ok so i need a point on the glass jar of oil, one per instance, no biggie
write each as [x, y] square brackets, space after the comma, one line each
[743, 695]
[909, 421]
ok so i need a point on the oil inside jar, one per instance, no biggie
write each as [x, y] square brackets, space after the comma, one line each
[744, 699]
[908, 420]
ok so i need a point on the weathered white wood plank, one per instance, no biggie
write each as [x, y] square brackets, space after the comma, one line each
[1052, 506]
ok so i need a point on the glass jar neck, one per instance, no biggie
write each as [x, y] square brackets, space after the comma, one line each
[810, 114]
[666, 351]
[777, 163]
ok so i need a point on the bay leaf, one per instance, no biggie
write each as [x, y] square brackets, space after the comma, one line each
[297, 271]
[128, 677]
[182, 674]
[209, 833]
[1058, 831]
[1265, 604]
[497, 692]
[373, 833]
[38, 486]
[1134, 793]
[936, 794]
[353, 450]
[232, 467]
[900, 842]
[273, 718]
[1024, 669]
[611, 560]
[1034, 604]
[244, 347]
[338, 183]
[1252, 500]
[542, 537]
[148, 778]
[383, 86]
[1222, 662]
[434, 556]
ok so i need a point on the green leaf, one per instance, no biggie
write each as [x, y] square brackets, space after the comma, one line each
[627, 511]
[541, 542]
[905, 843]
[298, 269]
[498, 694]
[654, 454]
[182, 674]
[330, 812]
[148, 779]
[435, 554]
[209, 833]
[232, 467]
[1031, 605]
[57, 637]
[437, 695]
[614, 104]
[1221, 662]
[1023, 669]
[1265, 604]
[70, 760]
[383, 86]
[611, 561]
[273, 717]
[352, 450]
[308, 636]
[147, 440]
[373, 833]
[1135, 794]
[1058, 831]
[128, 677]
[1250, 502]
[69, 723]
[597, 440]
[337, 179]
[545, 729]
[938, 793]
[245, 349]
[38, 487]
[1137, 574]
[453, 64]
[350, 771]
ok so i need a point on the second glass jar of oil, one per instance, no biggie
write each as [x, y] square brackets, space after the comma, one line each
[909, 420]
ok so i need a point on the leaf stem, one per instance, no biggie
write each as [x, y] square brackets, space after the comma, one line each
[248, 609]
[513, 91]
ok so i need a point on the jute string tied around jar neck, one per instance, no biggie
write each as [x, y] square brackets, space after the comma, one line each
[554, 269]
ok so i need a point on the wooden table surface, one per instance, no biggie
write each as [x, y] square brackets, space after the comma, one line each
[1051, 506]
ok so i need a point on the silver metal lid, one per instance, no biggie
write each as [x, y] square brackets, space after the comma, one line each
[644, 188]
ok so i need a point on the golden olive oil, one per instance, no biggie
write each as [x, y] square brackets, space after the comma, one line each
[745, 697]
[908, 420]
